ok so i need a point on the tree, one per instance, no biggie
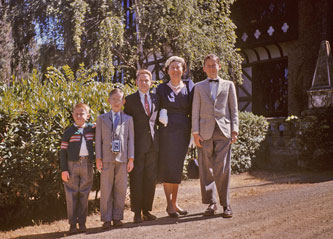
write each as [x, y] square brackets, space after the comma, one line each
[116, 37]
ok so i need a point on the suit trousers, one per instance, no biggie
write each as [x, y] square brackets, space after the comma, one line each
[113, 191]
[214, 168]
[77, 190]
[143, 181]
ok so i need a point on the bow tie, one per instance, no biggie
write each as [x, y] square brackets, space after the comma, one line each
[213, 80]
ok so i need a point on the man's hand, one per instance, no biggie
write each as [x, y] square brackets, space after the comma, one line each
[197, 139]
[233, 137]
[65, 176]
[130, 165]
[99, 164]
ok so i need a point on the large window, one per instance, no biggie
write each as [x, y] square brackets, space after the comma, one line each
[270, 88]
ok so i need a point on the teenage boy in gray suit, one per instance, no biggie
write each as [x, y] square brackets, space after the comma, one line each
[114, 158]
[214, 128]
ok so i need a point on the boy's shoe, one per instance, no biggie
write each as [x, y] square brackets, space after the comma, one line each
[211, 209]
[82, 228]
[137, 218]
[106, 225]
[147, 216]
[72, 230]
[117, 223]
[227, 212]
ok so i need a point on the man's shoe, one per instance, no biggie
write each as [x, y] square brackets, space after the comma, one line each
[72, 230]
[147, 216]
[211, 209]
[227, 212]
[117, 223]
[137, 218]
[82, 228]
[106, 225]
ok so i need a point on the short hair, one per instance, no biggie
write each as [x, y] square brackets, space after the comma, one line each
[83, 106]
[142, 72]
[212, 57]
[116, 90]
[177, 59]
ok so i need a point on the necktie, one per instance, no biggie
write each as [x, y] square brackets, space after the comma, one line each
[147, 105]
[116, 120]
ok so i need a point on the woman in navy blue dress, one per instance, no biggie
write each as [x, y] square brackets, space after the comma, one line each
[176, 98]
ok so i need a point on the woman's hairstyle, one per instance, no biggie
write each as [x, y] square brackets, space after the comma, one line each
[177, 59]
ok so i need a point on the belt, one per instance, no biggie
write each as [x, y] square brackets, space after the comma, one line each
[83, 157]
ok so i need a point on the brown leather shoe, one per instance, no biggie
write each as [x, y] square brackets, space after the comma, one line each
[211, 209]
[106, 225]
[147, 216]
[227, 212]
[117, 223]
[137, 218]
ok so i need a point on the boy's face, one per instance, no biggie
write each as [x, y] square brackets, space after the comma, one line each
[80, 116]
[211, 68]
[144, 82]
[116, 101]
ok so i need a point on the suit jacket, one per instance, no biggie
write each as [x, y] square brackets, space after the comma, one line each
[145, 128]
[223, 111]
[103, 137]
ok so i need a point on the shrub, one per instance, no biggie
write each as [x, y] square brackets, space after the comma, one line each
[33, 116]
[252, 131]
[312, 140]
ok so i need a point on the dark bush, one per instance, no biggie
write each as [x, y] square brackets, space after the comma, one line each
[252, 131]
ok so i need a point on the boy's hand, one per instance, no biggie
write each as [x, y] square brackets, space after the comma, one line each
[99, 164]
[233, 137]
[65, 176]
[130, 165]
[197, 139]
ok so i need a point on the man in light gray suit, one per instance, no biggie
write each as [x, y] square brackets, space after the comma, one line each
[214, 128]
[114, 158]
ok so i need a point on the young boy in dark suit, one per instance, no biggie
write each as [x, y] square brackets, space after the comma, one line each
[143, 106]
[76, 160]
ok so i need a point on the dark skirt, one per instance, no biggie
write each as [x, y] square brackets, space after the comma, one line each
[174, 141]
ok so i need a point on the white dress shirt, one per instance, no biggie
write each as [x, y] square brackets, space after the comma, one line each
[213, 88]
[83, 149]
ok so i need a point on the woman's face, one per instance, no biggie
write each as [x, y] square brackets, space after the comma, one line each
[175, 70]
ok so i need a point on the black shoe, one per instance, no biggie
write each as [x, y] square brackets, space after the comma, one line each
[211, 209]
[106, 225]
[82, 228]
[117, 223]
[227, 212]
[172, 214]
[137, 218]
[182, 212]
[72, 230]
[147, 216]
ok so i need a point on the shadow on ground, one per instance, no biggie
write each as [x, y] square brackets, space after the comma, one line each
[97, 230]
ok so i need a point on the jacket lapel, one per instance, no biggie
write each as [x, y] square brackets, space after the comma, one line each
[207, 89]
[221, 86]
[107, 118]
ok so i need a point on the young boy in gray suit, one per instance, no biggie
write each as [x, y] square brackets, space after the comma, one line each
[214, 128]
[76, 160]
[114, 158]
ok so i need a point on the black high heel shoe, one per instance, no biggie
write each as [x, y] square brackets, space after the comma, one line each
[182, 212]
[173, 214]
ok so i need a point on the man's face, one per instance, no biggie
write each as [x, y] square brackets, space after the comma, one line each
[211, 68]
[144, 82]
[80, 116]
[116, 101]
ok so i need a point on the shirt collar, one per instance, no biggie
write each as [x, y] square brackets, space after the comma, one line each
[80, 127]
[142, 95]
